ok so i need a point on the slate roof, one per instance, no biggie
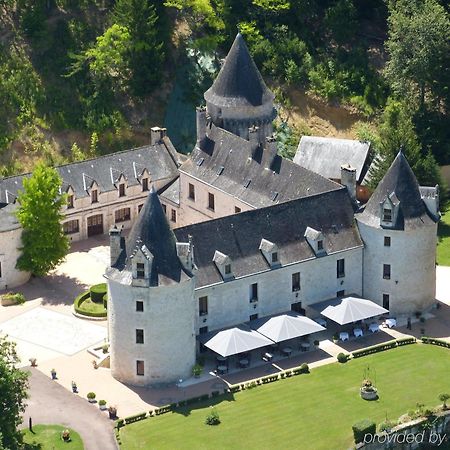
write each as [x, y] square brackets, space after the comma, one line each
[157, 159]
[172, 192]
[239, 236]
[8, 219]
[254, 180]
[402, 183]
[239, 82]
[326, 155]
[152, 230]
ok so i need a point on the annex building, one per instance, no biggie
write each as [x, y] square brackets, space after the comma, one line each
[235, 233]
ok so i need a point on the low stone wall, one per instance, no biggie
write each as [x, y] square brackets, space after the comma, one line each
[412, 435]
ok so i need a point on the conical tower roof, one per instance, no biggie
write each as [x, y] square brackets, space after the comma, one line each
[400, 181]
[152, 230]
[239, 82]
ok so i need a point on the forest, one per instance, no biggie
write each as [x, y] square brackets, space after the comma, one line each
[80, 78]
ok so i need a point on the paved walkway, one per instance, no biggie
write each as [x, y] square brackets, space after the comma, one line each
[50, 403]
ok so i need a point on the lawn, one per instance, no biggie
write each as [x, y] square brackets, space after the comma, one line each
[48, 437]
[91, 307]
[310, 411]
[443, 249]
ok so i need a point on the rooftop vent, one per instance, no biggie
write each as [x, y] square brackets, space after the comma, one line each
[274, 196]
[200, 162]
[247, 183]
[220, 170]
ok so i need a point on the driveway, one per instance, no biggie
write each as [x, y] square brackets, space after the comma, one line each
[50, 403]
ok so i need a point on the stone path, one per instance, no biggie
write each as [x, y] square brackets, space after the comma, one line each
[50, 403]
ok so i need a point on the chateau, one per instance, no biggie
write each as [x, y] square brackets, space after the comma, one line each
[234, 232]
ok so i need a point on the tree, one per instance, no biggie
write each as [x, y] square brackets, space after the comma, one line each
[145, 55]
[13, 392]
[443, 398]
[44, 243]
[418, 47]
[397, 132]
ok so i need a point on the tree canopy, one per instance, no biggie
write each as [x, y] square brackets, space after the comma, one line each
[13, 392]
[44, 244]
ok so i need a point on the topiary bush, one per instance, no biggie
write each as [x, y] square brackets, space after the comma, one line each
[363, 428]
[304, 368]
[212, 418]
[97, 292]
[342, 357]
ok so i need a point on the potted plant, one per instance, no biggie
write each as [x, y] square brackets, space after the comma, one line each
[112, 410]
[33, 362]
[335, 338]
[91, 397]
[65, 435]
[197, 370]
[368, 391]
[102, 404]
[316, 343]
[74, 387]
[53, 372]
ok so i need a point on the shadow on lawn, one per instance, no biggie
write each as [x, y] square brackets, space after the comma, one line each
[443, 231]
[213, 401]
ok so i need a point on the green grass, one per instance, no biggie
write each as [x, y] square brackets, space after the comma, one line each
[90, 307]
[48, 437]
[443, 249]
[313, 411]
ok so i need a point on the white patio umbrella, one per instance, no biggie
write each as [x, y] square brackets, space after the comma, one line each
[236, 340]
[285, 326]
[352, 309]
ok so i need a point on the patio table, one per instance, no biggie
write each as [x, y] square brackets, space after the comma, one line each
[373, 327]
[287, 351]
[222, 369]
[390, 323]
[243, 362]
[358, 332]
[343, 336]
[305, 346]
[221, 358]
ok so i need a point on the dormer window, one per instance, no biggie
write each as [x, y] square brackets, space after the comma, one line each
[223, 264]
[320, 245]
[144, 185]
[387, 215]
[140, 270]
[270, 252]
[94, 196]
[316, 240]
[122, 190]
[389, 211]
[69, 201]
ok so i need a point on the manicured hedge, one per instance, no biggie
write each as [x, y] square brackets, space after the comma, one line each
[384, 346]
[434, 341]
[135, 418]
[105, 300]
[97, 292]
[79, 310]
[363, 427]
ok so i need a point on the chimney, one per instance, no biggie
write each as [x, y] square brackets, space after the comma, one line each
[157, 134]
[200, 112]
[115, 243]
[253, 134]
[348, 179]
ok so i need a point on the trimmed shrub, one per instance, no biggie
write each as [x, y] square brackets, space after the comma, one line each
[362, 428]
[78, 302]
[374, 349]
[120, 423]
[234, 389]
[433, 341]
[97, 292]
[91, 395]
[304, 368]
[135, 418]
[406, 341]
[11, 298]
[212, 418]
[342, 357]
[105, 300]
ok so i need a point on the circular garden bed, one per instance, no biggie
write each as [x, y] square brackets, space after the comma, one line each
[93, 302]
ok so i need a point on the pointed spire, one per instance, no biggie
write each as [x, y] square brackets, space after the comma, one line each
[152, 230]
[400, 181]
[239, 80]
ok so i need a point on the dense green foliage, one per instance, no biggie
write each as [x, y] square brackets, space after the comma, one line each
[44, 244]
[13, 392]
[443, 248]
[327, 401]
[101, 71]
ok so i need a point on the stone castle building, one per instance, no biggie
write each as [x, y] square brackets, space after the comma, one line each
[235, 232]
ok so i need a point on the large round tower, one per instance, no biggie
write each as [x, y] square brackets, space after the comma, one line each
[151, 309]
[239, 99]
[399, 234]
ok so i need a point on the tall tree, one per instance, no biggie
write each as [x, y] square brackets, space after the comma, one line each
[145, 52]
[418, 46]
[13, 392]
[43, 240]
[397, 132]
